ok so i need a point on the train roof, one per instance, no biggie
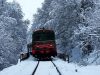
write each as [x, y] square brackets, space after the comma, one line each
[46, 30]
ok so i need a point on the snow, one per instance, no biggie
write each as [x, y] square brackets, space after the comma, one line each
[70, 69]
[22, 68]
[47, 68]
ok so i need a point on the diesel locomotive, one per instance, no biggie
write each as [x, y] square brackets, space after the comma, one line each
[43, 43]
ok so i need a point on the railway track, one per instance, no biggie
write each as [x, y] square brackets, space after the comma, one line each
[56, 68]
[52, 63]
[36, 68]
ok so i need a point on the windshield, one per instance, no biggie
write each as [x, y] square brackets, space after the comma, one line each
[43, 36]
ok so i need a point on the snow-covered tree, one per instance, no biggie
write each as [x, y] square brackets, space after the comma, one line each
[43, 14]
[74, 22]
[13, 33]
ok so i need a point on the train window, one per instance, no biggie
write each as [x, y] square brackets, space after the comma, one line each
[43, 36]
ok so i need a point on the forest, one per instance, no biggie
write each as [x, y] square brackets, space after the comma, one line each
[13, 32]
[75, 22]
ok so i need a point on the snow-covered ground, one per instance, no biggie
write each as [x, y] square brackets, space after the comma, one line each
[46, 68]
[22, 68]
[73, 69]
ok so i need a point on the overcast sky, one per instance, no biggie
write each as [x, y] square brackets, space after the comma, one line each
[29, 7]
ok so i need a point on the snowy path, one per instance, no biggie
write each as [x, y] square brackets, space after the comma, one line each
[46, 68]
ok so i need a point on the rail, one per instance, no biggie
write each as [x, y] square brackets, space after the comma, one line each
[35, 68]
[56, 68]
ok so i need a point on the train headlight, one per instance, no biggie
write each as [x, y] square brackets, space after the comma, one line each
[37, 46]
[50, 45]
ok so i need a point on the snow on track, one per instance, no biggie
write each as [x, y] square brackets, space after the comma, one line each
[35, 68]
[66, 68]
[74, 69]
[56, 68]
[46, 68]
[25, 67]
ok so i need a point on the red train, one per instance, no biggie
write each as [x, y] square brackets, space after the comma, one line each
[43, 43]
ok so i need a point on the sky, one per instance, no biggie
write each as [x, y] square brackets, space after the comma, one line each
[29, 7]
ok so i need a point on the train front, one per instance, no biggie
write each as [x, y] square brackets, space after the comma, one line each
[43, 44]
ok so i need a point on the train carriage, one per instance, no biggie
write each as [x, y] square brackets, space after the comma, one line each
[43, 43]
